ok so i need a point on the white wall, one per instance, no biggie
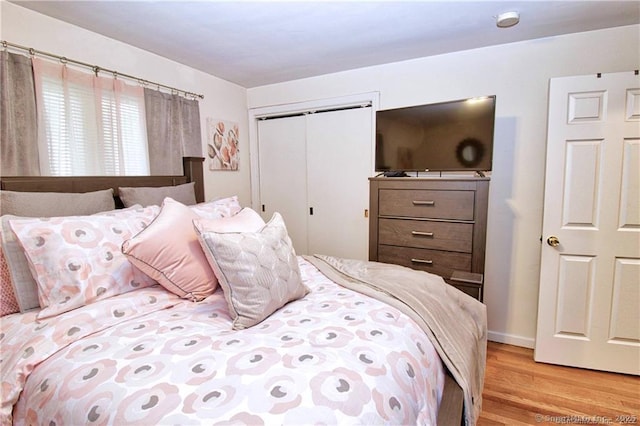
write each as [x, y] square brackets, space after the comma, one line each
[518, 75]
[222, 99]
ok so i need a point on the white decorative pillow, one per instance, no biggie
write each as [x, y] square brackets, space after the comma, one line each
[169, 252]
[258, 271]
[223, 207]
[77, 260]
[154, 196]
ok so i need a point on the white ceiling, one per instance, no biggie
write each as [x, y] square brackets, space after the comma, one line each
[253, 43]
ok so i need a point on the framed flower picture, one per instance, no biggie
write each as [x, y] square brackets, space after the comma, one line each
[222, 145]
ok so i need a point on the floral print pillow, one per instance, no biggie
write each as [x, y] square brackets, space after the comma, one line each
[216, 209]
[77, 260]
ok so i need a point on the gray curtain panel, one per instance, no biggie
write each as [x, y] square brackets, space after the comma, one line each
[18, 123]
[173, 131]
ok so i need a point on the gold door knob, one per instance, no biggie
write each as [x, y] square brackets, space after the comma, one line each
[553, 241]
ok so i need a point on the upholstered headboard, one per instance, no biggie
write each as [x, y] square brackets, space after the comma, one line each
[192, 166]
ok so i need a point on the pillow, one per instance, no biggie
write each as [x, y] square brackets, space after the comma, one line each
[223, 207]
[8, 302]
[258, 271]
[247, 220]
[35, 204]
[76, 260]
[169, 252]
[23, 284]
[154, 196]
[21, 281]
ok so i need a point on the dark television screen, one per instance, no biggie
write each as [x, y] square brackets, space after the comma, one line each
[448, 136]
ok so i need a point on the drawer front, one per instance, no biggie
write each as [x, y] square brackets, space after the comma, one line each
[435, 261]
[426, 234]
[423, 203]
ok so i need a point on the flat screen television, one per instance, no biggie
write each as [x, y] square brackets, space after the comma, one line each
[447, 136]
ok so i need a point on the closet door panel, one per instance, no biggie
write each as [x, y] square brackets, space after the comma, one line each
[283, 182]
[339, 150]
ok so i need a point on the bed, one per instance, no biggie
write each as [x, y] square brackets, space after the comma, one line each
[353, 342]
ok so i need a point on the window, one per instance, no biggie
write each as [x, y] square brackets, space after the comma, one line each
[89, 125]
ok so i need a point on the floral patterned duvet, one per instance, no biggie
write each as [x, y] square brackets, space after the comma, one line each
[148, 357]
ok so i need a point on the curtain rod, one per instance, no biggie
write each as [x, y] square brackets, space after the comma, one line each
[96, 69]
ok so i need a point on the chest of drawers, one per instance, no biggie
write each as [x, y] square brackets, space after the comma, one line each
[436, 225]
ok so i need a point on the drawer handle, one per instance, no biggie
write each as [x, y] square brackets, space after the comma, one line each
[427, 262]
[422, 234]
[423, 203]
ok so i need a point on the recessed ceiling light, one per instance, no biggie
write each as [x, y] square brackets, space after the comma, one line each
[507, 19]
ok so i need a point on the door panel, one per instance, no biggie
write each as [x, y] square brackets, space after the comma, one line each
[283, 181]
[587, 107]
[575, 286]
[339, 163]
[590, 281]
[630, 199]
[582, 177]
[625, 315]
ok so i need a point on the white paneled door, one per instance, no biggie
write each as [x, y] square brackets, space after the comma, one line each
[589, 301]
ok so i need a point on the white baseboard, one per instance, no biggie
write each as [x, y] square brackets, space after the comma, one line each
[510, 339]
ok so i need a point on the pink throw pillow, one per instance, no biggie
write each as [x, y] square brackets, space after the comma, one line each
[76, 260]
[169, 252]
[247, 220]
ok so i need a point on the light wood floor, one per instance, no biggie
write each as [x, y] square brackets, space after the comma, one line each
[517, 390]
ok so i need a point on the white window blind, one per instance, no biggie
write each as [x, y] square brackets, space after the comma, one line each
[89, 125]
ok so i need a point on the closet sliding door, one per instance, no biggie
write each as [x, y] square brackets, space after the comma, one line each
[338, 167]
[283, 171]
[314, 170]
